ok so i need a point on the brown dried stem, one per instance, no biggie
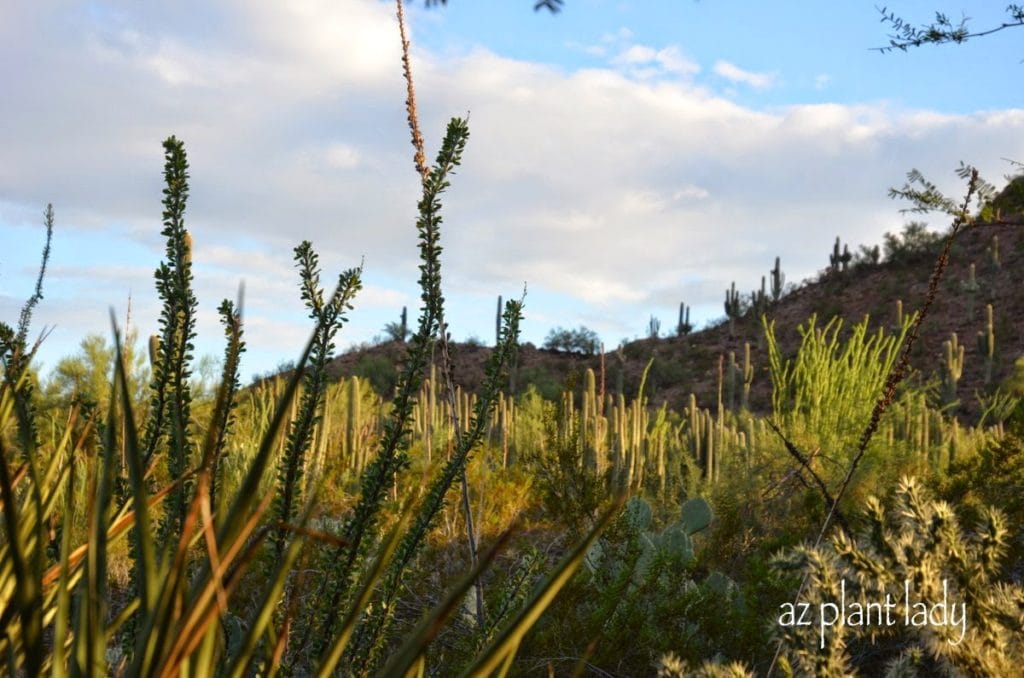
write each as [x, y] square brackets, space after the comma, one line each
[420, 157]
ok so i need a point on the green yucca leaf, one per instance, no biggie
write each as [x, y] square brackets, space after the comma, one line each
[415, 646]
[207, 601]
[60, 628]
[159, 630]
[90, 638]
[499, 653]
[25, 600]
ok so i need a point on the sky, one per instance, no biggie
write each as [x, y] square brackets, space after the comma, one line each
[623, 157]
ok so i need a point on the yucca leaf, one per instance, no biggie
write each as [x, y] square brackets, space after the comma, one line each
[60, 628]
[26, 593]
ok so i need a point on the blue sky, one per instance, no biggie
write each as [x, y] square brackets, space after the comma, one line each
[623, 158]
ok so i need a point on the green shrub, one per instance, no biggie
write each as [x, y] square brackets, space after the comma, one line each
[913, 244]
[580, 340]
[380, 372]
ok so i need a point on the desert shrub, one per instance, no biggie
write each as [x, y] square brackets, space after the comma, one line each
[541, 380]
[914, 243]
[993, 477]
[380, 372]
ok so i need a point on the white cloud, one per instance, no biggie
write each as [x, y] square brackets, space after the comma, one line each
[734, 73]
[341, 156]
[644, 62]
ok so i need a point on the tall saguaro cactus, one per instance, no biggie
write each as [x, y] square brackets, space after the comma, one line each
[683, 327]
[778, 281]
[952, 367]
[987, 344]
[971, 288]
[732, 307]
[839, 261]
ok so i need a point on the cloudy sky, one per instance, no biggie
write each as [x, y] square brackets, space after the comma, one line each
[623, 157]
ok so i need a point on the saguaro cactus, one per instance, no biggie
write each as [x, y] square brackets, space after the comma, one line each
[759, 300]
[778, 281]
[732, 307]
[653, 327]
[952, 367]
[987, 343]
[683, 327]
[993, 254]
[971, 288]
[839, 261]
[748, 377]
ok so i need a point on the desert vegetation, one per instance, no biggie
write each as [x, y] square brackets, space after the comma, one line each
[681, 505]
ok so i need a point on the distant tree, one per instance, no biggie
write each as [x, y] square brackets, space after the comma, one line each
[581, 340]
[942, 30]
[915, 241]
[84, 376]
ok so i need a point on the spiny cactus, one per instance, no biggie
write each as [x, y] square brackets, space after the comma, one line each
[653, 328]
[918, 548]
[683, 327]
[839, 261]
[971, 288]
[778, 281]
[738, 380]
[732, 307]
[993, 254]
[748, 377]
[986, 341]
[899, 317]
[953, 367]
[674, 541]
[759, 300]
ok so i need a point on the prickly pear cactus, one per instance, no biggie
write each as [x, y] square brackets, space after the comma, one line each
[696, 515]
[638, 513]
[675, 542]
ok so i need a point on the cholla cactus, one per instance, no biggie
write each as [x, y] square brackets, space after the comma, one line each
[671, 666]
[914, 557]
